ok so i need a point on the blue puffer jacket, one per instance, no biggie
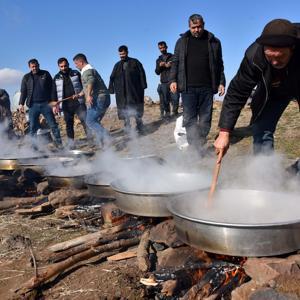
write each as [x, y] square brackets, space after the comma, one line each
[58, 91]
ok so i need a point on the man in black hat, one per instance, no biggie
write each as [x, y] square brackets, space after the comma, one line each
[272, 65]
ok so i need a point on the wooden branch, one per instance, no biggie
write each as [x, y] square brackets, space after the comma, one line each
[106, 239]
[9, 202]
[91, 236]
[60, 267]
[143, 252]
[123, 255]
[43, 208]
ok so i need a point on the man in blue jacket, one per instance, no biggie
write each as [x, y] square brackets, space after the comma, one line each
[36, 90]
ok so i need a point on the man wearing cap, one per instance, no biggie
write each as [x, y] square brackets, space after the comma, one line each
[272, 65]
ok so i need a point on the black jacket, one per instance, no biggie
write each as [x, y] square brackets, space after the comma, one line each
[178, 68]
[128, 85]
[27, 86]
[163, 71]
[5, 111]
[255, 71]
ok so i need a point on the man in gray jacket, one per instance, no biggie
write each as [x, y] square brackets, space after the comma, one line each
[97, 98]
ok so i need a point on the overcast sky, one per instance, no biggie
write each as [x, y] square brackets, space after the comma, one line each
[47, 30]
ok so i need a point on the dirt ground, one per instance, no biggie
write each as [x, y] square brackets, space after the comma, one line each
[96, 279]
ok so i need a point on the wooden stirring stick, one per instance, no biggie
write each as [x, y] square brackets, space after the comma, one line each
[53, 103]
[215, 176]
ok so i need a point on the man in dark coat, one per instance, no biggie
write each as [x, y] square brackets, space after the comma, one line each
[197, 72]
[128, 82]
[272, 64]
[5, 113]
[36, 88]
[163, 67]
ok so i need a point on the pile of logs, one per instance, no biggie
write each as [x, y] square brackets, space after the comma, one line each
[111, 243]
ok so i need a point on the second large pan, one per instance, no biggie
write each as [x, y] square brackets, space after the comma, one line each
[239, 222]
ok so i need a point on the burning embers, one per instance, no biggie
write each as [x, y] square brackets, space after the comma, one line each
[193, 274]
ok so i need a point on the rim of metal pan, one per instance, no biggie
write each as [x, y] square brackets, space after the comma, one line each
[119, 189]
[226, 224]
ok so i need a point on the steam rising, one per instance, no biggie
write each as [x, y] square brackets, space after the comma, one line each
[252, 190]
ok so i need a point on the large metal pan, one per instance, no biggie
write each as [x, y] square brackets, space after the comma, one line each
[99, 185]
[79, 153]
[60, 181]
[41, 164]
[239, 222]
[9, 163]
[144, 197]
[142, 159]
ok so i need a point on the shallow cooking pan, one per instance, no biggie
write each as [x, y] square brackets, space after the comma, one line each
[149, 197]
[59, 181]
[80, 153]
[143, 159]
[239, 222]
[41, 164]
[99, 185]
[8, 163]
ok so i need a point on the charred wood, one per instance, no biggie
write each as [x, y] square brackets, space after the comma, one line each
[203, 288]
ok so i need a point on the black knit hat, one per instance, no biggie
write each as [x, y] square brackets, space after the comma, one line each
[278, 33]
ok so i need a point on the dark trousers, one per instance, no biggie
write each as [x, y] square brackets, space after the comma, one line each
[166, 98]
[263, 129]
[43, 108]
[197, 114]
[69, 114]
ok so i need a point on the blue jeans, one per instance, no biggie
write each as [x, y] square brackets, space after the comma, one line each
[94, 115]
[43, 108]
[166, 97]
[197, 114]
[263, 129]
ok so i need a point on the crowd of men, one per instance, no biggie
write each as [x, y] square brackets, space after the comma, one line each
[195, 71]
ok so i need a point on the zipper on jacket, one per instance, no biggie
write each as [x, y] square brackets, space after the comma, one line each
[267, 92]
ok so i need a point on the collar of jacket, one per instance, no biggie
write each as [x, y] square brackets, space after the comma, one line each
[259, 58]
[188, 34]
[168, 55]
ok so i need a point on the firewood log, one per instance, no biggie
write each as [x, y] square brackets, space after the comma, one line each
[92, 236]
[64, 211]
[9, 202]
[123, 255]
[106, 239]
[60, 267]
[43, 208]
[143, 252]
